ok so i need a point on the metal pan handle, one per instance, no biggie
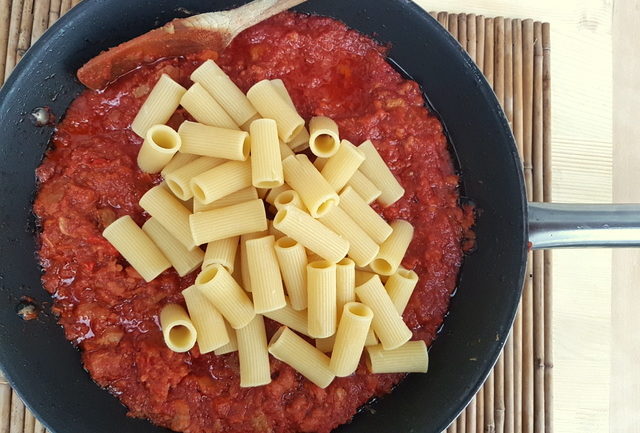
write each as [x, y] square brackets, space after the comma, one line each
[555, 225]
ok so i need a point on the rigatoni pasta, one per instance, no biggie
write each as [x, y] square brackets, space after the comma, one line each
[205, 109]
[181, 258]
[232, 345]
[291, 349]
[178, 160]
[220, 181]
[266, 162]
[267, 100]
[387, 323]
[364, 187]
[377, 171]
[324, 140]
[266, 281]
[345, 283]
[400, 286]
[159, 105]
[244, 261]
[177, 329]
[341, 167]
[226, 222]
[223, 90]
[160, 204]
[160, 144]
[222, 252]
[316, 193]
[209, 324]
[292, 259]
[179, 180]
[253, 354]
[350, 338]
[289, 197]
[362, 249]
[311, 233]
[372, 223]
[136, 247]
[393, 249]
[294, 319]
[245, 194]
[217, 285]
[321, 292]
[270, 197]
[412, 357]
[213, 141]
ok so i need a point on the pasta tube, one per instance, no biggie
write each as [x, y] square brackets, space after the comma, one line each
[221, 181]
[362, 249]
[160, 144]
[400, 287]
[181, 258]
[179, 180]
[321, 292]
[163, 206]
[323, 136]
[377, 171]
[205, 140]
[392, 251]
[293, 266]
[342, 166]
[350, 338]
[266, 282]
[316, 193]
[223, 252]
[266, 99]
[159, 105]
[412, 357]
[210, 328]
[372, 223]
[177, 329]
[253, 354]
[226, 222]
[205, 109]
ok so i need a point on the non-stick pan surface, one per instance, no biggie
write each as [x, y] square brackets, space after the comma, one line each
[45, 369]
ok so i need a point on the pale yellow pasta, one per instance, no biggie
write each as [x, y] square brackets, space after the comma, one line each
[273, 193]
[205, 140]
[170, 212]
[205, 109]
[293, 350]
[277, 234]
[232, 345]
[315, 192]
[136, 247]
[267, 100]
[345, 283]
[362, 249]
[177, 329]
[178, 160]
[219, 287]
[209, 324]
[237, 269]
[393, 249]
[226, 222]
[294, 319]
[160, 144]
[159, 106]
[377, 171]
[246, 126]
[325, 345]
[181, 258]
[311, 233]
[284, 150]
[321, 292]
[286, 198]
[412, 357]
[220, 181]
[266, 281]
[341, 167]
[279, 86]
[266, 162]
[237, 197]
[324, 140]
[222, 252]
[387, 323]
[371, 340]
[179, 180]
[364, 187]
[223, 90]
[300, 142]
[350, 338]
[319, 163]
[253, 354]
[362, 277]
[244, 264]
[292, 259]
[372, 223]
[400, 287]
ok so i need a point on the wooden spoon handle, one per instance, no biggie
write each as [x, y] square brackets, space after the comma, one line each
[241, 18]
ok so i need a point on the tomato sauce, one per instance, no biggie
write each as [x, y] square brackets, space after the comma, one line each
[90, 177]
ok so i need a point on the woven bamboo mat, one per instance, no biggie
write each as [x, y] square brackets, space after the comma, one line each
[514, 56]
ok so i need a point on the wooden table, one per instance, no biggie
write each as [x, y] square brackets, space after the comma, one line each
[595, 64]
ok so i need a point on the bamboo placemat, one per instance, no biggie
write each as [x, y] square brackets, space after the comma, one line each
[514, 56]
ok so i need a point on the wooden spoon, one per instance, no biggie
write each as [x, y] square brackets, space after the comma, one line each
[210, 31]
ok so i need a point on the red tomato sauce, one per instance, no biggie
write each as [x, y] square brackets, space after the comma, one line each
[90, 178]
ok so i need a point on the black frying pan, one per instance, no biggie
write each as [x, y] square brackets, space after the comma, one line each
[45, 369]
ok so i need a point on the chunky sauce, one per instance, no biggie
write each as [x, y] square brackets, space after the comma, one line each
[90, 178]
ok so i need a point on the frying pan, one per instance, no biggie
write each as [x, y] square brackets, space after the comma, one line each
[45, 369]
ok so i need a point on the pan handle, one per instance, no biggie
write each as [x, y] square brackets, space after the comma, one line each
[556, 225]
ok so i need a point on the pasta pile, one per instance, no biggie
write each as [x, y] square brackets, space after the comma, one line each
[326, 266]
